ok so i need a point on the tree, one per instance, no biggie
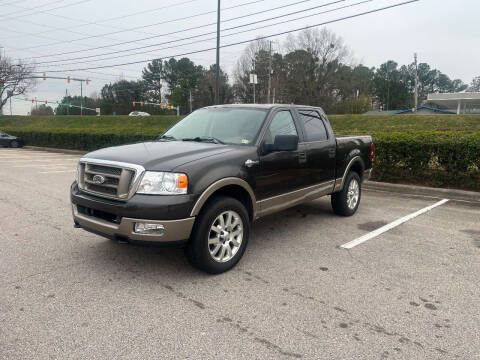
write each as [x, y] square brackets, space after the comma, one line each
[181, 77]
[118, 97]
[15, 79]
[306, 74]
[152, 77]
[204, 94]
[42, 110]
[475, 85]
[393, 86]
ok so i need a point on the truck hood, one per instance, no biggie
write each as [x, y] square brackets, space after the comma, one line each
[160, 155]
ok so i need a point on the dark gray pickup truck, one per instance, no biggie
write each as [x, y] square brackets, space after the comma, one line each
[203, 182]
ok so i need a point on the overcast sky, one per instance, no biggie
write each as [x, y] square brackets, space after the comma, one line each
[444, 33]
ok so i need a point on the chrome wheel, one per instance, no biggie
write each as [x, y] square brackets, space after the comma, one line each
[225, 236]
[353, 194]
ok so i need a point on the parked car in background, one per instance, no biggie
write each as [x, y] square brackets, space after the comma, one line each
[138, 113]
[204, 181]
[7, 140]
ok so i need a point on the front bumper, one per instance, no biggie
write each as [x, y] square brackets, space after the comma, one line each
[116, 220]
[174, 230]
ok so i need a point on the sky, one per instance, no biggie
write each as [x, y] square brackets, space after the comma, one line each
[69, 35]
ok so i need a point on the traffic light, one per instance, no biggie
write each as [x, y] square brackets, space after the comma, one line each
[68, 79]
[86, 81]
[44, 76]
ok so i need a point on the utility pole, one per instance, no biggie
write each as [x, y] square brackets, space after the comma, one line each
[81, 97]
[269, 73]
[217, 74]
[416, 83]
[190, 100]
[273, 96]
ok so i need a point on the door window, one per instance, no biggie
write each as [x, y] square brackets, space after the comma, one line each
[282, 124]
[314, 127]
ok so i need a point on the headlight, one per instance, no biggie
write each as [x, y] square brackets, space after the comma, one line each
[77, 174]
[163, 183]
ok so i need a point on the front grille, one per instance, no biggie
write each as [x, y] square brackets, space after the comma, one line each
[115, 181]
[99, 214]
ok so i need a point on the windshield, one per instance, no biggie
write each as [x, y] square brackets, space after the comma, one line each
[224, 125]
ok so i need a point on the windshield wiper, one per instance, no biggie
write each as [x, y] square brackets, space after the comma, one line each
[167, 137]
[205, 139]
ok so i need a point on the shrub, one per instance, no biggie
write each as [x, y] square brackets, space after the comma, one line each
[437, 158]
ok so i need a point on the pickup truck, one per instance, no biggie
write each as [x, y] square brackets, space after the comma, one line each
[204, 181]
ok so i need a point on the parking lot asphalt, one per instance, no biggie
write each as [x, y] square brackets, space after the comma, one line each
[411, 292]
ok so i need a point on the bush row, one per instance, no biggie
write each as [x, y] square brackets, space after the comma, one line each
[431, 158]
[78, 141]
[434, 158]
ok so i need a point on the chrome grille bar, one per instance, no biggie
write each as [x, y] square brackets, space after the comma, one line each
[119, 180]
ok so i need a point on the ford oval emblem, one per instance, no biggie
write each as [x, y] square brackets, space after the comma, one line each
[98, 179]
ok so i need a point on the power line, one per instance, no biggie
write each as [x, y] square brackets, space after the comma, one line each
[246, 41]
[212, 32]
[153, 37]
[35, 9]
[134, 29]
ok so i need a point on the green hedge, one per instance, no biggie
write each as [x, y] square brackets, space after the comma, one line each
[78, 141]
[431, 158]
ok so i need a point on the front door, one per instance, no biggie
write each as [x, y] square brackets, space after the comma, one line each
[280, 172]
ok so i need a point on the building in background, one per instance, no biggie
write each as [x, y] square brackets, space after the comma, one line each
[459, 103]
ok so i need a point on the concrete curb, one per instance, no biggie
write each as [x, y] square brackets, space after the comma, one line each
[55, 150]
[451, 194]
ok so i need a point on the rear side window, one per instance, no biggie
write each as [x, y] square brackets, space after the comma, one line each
[314, 127]
[282, 124]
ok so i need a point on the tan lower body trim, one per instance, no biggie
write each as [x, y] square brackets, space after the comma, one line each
[284, 201]
[174, 230]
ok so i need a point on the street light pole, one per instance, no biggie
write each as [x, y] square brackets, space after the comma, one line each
[217, 75]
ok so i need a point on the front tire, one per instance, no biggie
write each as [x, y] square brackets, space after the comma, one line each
[220, 235]
[346, 202]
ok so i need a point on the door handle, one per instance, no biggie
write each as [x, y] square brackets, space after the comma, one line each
[249, 163]
[302, 157]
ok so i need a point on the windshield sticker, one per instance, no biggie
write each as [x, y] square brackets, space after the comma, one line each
[245, 141]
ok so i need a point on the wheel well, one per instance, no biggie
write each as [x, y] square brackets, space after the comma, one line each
[237, 192]
[358, 167]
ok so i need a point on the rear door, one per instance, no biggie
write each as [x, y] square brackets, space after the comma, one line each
[320, 145]
[280, 172]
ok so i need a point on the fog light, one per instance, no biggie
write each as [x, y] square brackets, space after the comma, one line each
[148, 228]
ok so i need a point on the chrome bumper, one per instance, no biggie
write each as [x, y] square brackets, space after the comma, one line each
[174, 230]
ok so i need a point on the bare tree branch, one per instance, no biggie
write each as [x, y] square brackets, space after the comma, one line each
[15, 79]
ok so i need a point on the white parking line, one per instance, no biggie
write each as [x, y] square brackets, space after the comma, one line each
[390, 226]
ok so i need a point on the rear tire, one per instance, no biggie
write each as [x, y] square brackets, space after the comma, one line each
[14, 144]
[220, 235]
[346, 202]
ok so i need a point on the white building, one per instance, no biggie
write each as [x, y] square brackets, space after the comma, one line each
[462, 103]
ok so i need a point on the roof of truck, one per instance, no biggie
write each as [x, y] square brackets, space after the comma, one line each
[263, 106]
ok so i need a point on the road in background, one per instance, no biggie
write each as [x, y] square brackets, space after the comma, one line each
[409, 293]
